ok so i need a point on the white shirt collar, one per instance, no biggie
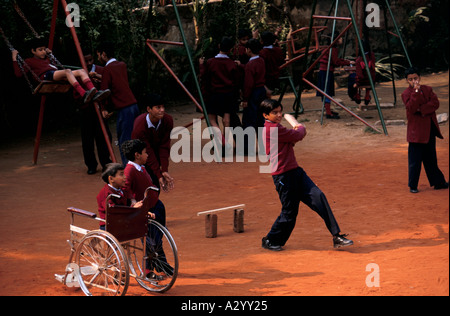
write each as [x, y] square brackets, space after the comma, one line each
[138, 167]
[110, 61]
[270, 46]
[254, 58]
[222, 56]
[117, 190]
[150, 124]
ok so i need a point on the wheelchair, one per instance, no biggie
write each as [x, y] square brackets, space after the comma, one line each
[132, 245]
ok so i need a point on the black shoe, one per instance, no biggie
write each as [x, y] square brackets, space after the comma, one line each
[89, 95]
[367, 101]
[92, 171]
[441, 186]
[267, 245]
[340, 241]
[101, 95]
[414, 190]
[333, 117]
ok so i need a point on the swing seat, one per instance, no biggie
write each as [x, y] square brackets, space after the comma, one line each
[49, 87]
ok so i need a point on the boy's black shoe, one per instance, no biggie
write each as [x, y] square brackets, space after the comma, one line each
[101, 95]
[267, 245]
[413, 190]
[89, 95]
[333, 117]
[367, 101]
[340, 241]
[441, 186]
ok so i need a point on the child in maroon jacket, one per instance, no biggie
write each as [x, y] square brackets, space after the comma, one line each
[421, 104]
[115, 181]
[136, 183]
[273, 58]
[291, 182]
[45, 70]
[254, 92]
[154, 128]
[361, 78]
[220, 80]
[329, 81]
[115, 78]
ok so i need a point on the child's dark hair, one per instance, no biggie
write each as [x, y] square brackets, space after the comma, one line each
[153, 99]
[130, 147]
[36, 43]
[412, 71]
[108, 48]
[244, 33]
[269, 105]
[226, 44]
[111, 170]
[268, 38]
[254, 45]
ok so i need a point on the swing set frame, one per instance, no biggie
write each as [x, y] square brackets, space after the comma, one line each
[45, 88]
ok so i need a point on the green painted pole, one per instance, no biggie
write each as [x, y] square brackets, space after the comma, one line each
[194, 73]
[372, 85]
[398, 33]
[305, 63]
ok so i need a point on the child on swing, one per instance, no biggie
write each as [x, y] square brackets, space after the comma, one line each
[45, 70]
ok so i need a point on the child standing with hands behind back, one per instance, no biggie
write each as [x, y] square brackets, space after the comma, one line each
[292, 183]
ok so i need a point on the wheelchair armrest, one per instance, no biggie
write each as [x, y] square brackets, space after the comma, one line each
[81, 212]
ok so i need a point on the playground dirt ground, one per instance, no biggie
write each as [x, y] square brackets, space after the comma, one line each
[402, 236]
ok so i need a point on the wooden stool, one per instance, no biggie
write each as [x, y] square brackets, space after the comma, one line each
[211, 220]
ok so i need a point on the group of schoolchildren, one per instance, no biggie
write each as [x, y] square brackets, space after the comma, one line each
[248, 71]
[144, 139]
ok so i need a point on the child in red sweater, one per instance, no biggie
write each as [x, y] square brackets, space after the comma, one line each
[329, 81]
[220, 80]
[115, 181]
[292, 183]
[273, 58]
[136, 183]
[361, 78]
[45, 70]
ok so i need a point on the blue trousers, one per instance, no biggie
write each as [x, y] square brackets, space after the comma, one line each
[294, 187]
[125, 122]
[426, 154]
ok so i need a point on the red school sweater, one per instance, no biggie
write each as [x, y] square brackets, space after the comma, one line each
[273, 57]
[335, 60]
[115, 78]
[255, 73]
[421, 110]
[137, 182]
[157, 140]
[37, 65]
[220, 75]
[101, 200]
[287, 138]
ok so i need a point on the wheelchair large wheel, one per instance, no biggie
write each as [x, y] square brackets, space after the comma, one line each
[103, 265]
[157, 269]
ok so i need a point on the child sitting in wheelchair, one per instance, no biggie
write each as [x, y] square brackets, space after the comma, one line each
[115, 182]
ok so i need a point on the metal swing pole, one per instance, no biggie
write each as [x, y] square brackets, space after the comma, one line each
[83, 64]
[305, 62]
[330, 55]
[398, 33]
[372, 85]
[191, 63]
[390, 54]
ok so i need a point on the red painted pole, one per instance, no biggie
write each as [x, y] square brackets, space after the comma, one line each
[172, 73]
[37, 140]
[83, 64]
[340, 105]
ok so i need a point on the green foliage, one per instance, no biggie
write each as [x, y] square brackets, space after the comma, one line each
[426, 34]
